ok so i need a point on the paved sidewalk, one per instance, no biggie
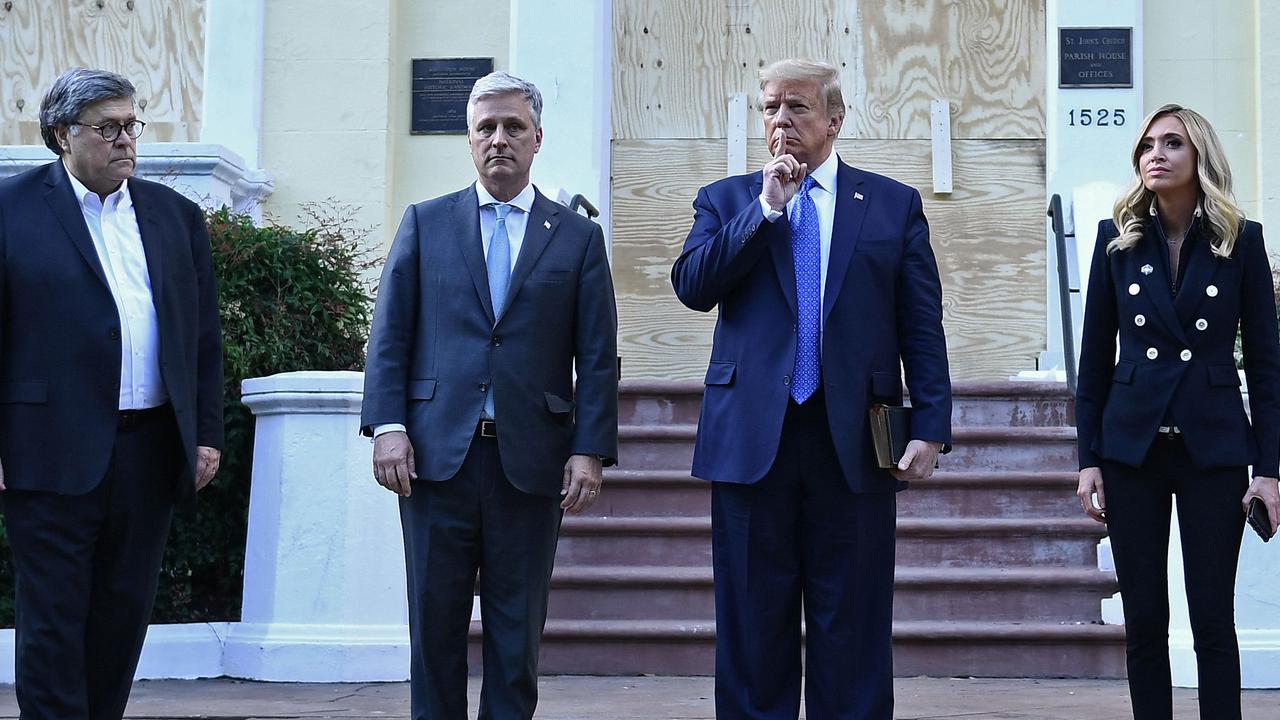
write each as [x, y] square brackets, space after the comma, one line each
[646, 698]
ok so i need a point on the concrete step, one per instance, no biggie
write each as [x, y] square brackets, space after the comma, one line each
[992, 493]
[941, 542]
[986, 594]
[1002, 403]
[686, 647]
[652, 492]
[979, 448]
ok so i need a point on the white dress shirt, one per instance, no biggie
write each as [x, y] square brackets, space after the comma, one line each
[113, 225]
[517, 221]
[824, 199]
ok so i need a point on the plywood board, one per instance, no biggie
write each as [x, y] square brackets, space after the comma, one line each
[988, 235]
[157, 44]
[677, 62]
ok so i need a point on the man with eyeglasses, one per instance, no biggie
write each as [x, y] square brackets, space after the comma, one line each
[110, 394]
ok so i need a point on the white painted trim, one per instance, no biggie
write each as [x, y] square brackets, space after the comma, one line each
[940, 123]
[737, 140]
[233, 76]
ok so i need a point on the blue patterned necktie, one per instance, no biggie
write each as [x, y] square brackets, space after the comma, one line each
[805, 247]
[499, 265]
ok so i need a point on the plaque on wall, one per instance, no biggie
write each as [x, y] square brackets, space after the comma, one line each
[440, 90]
[1095, 57]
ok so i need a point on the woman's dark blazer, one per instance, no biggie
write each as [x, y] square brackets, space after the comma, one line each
[1178, 353]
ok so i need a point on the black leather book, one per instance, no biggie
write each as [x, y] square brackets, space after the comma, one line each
[890, 431]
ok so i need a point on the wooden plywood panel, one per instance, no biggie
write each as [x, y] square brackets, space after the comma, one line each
[676, 63]
[157, 44]
[988, 236]
[670, 74]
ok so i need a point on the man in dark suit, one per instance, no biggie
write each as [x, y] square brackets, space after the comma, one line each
[490, 300]
[110, 394]
[825, 282]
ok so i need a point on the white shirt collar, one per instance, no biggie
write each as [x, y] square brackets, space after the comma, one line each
[524, 200]
[825, 174]
[120, 197]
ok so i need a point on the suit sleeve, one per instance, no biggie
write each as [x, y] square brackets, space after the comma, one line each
[595, 340]
[1260, 344]
[1097, 349]
[209, 379]
[395, 315]
[719, 253]
[923, 344]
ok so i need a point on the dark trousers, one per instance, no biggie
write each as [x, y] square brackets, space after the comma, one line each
[1211, 522]
[800, 538]
[86, 568]
[476, 521]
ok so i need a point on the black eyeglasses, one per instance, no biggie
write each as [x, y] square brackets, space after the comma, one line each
[112, 130]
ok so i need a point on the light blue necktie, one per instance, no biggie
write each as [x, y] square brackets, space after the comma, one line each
[499, 265]
[805, 247]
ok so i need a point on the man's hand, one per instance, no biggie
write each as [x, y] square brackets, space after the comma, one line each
[2, 477]
[917, 461]
[393, 465]
[583, 475]
[1091, 484]
[1262, 487]
[207, 461]
[782, 174]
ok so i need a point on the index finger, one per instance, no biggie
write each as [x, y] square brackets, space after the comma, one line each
[778, 143]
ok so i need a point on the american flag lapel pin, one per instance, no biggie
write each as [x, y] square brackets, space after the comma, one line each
[858, 196]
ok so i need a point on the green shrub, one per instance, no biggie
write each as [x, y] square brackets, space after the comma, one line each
[290, 300]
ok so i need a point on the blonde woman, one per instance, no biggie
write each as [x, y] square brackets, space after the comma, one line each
[1175, 273]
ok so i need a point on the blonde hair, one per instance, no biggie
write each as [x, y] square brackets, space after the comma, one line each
[802, 70]
[1213, 173]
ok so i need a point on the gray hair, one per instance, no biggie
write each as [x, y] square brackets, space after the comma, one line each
[501, 83]
[73, 91]
[800, 70]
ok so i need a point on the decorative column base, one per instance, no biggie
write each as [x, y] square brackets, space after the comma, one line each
[289, 652]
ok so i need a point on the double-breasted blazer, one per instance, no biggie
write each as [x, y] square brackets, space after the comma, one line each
[1177, 352]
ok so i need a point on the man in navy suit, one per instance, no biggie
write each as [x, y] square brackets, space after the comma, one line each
[110, 394]
[491, 299]
[826, 285]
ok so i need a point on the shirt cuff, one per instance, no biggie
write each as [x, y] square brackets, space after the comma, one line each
[389, 427]
[769, 213]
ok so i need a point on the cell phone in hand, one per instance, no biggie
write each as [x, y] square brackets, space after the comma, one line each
[1259, 520]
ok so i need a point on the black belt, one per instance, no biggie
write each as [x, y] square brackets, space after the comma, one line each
[134, 418]
[487, 429]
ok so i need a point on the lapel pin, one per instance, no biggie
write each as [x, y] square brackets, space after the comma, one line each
[858, 196]
[546, 224]
[1146, 269]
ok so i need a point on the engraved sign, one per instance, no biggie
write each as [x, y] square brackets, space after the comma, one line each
[440, 90]
[1095, 57]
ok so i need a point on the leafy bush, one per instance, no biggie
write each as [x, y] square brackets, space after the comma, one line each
[290, 300]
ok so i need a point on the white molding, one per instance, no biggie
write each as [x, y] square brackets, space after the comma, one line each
[233, 76]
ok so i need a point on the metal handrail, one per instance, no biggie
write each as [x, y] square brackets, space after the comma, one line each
[1064, 291]
[580, 200]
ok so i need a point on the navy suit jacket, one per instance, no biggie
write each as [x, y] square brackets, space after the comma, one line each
[60, 332]
[435, 345]
[882, 306]
[1177, 353]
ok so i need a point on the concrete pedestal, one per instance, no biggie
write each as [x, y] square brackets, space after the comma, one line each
[324, 587]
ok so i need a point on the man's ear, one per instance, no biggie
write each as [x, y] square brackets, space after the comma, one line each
[61, 135]
[837, 122]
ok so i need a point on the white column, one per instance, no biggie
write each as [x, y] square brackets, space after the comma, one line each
[232, 112]
[324, 583]
[1268, 58]
[565, 47]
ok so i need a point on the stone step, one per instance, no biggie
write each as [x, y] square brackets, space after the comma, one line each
[947, 494]
[977, 649]
[1007, 403]
[942, 542]
[1034, 449]
[987, 594]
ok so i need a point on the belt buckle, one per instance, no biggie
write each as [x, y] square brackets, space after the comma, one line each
[488, 428]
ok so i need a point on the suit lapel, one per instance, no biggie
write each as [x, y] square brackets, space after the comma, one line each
[542, 223]
[152, 236]
[784, 263]
[1156, 282]
[851, 209]
[62, 201]
[1202, 265]
[466, 229]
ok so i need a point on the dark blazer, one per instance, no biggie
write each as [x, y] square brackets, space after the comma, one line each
[882, 304]
[1177, 353]
[435, 343]
[60, 331]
